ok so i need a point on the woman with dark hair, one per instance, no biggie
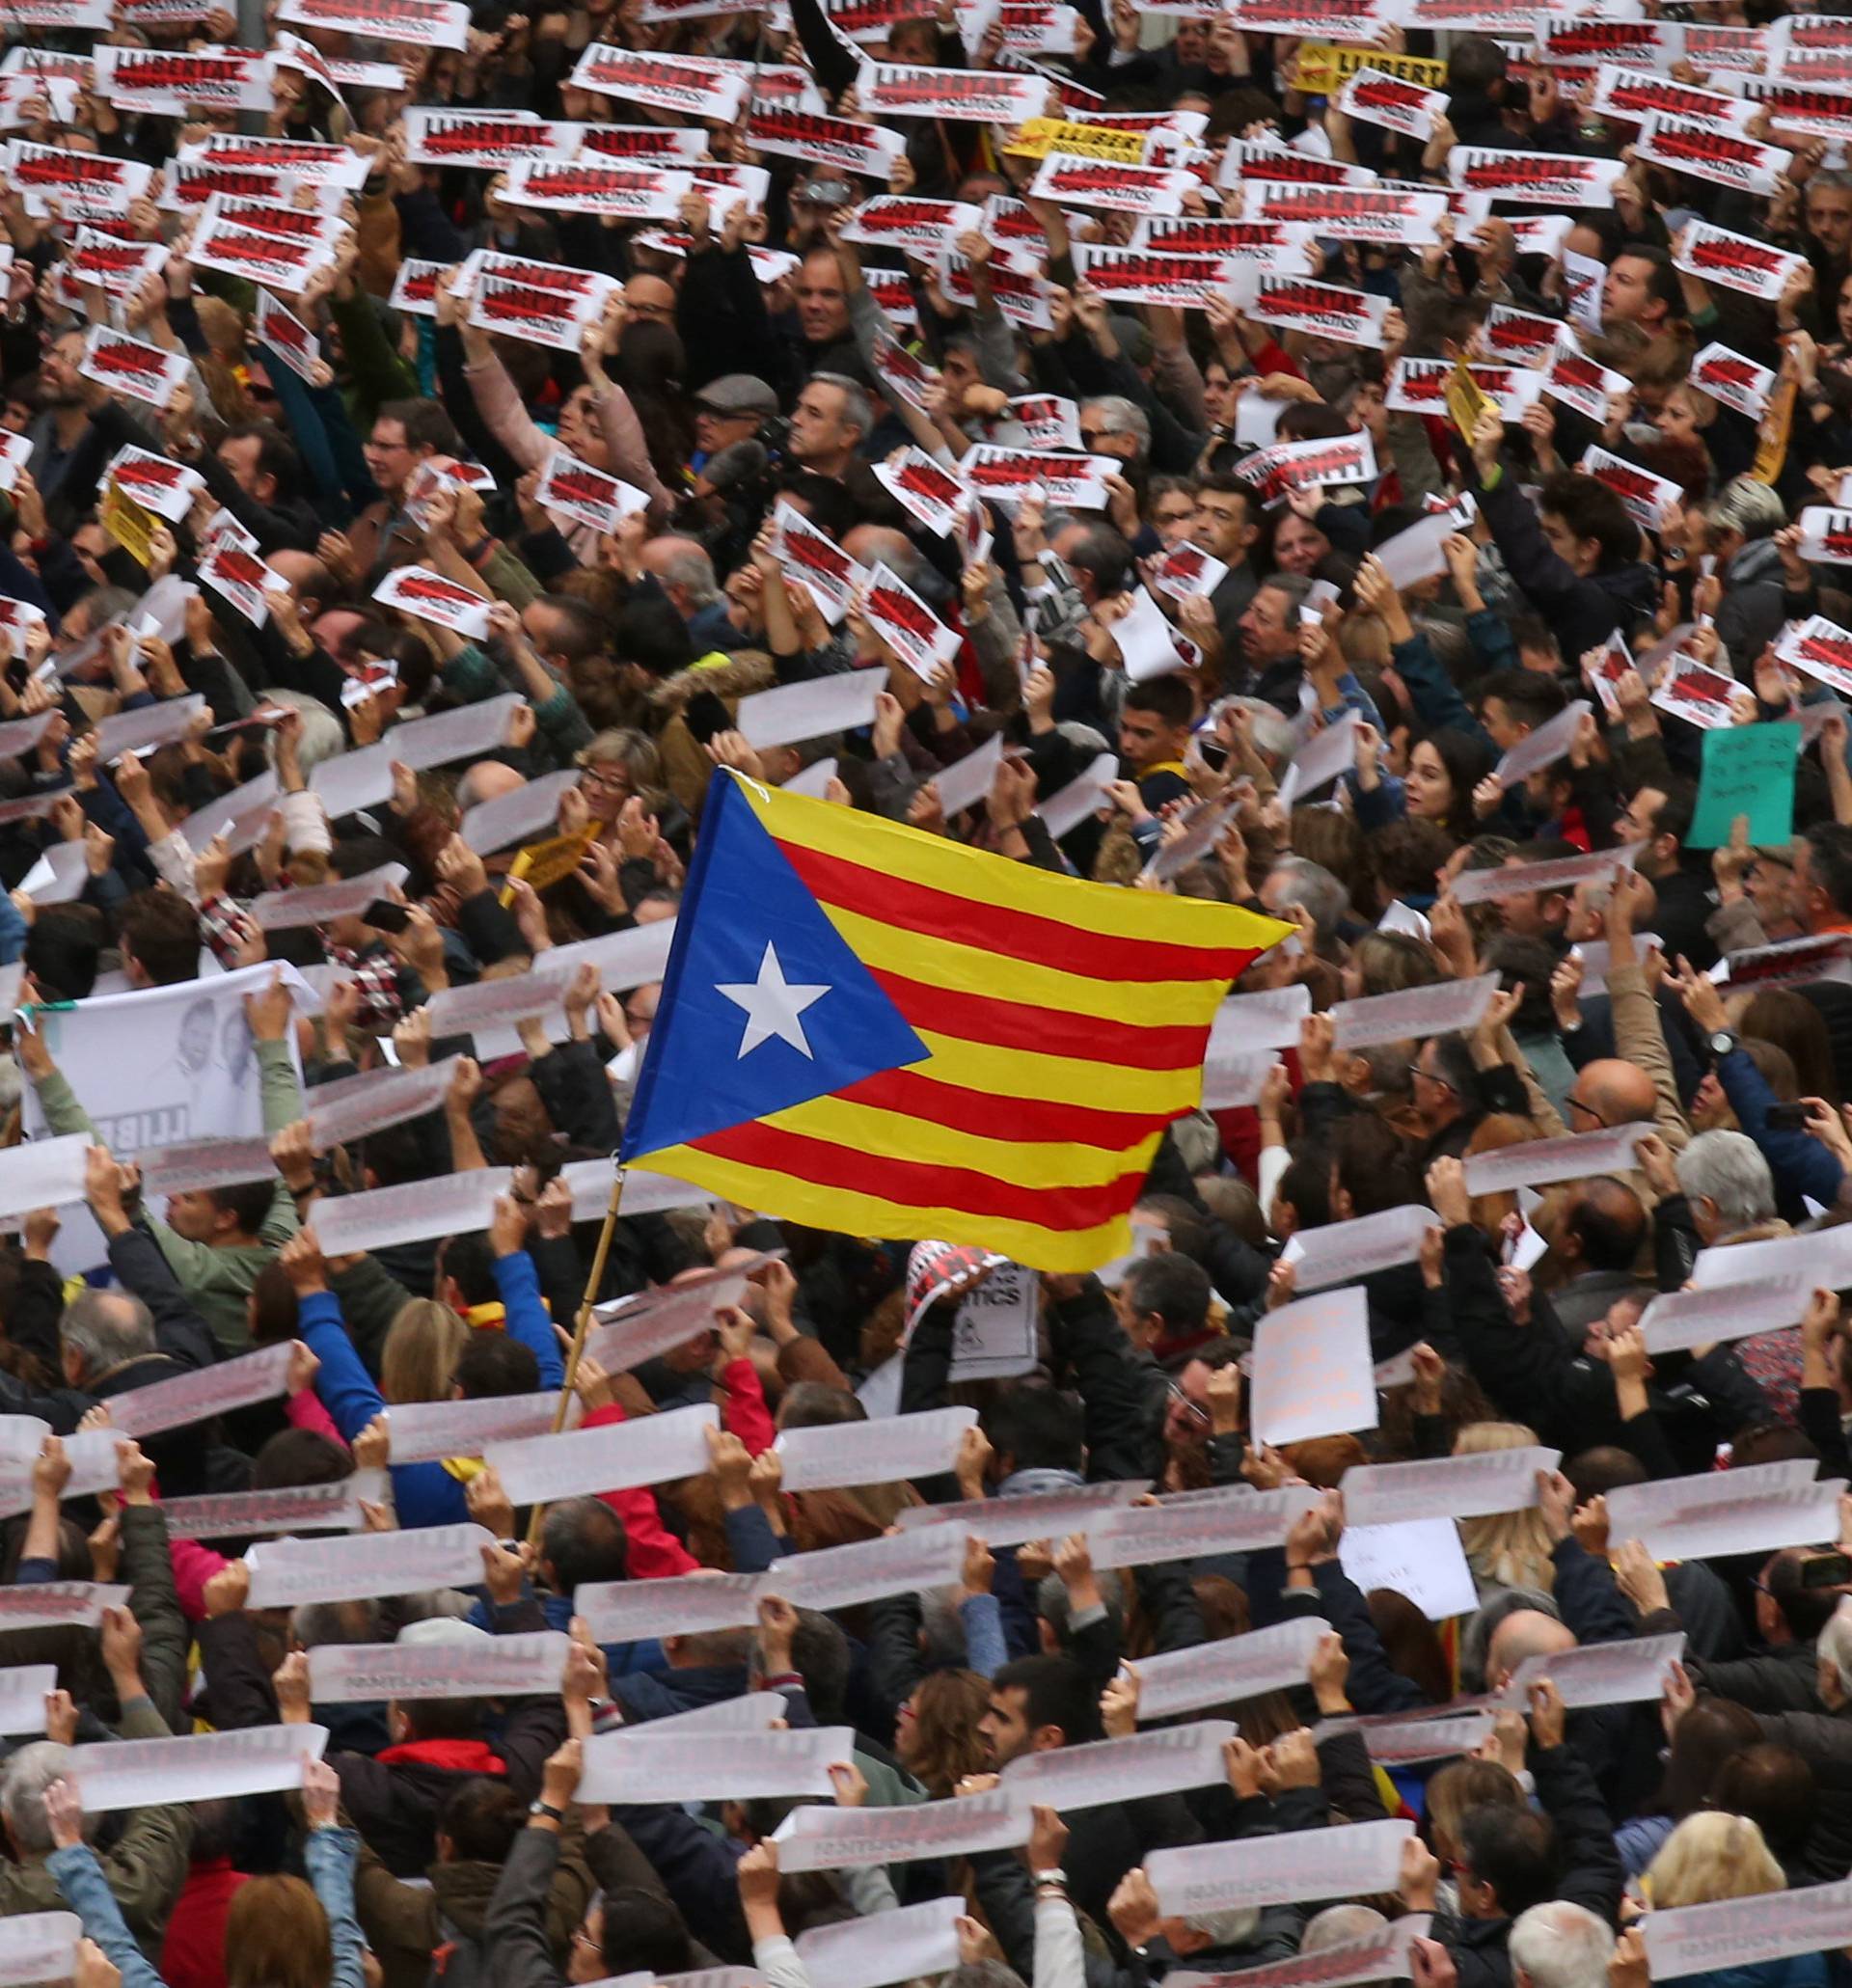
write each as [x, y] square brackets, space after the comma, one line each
[1707, 1734]
[1444, 767]
[649, 365]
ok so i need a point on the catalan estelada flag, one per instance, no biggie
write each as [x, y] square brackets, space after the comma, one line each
[868, 1028]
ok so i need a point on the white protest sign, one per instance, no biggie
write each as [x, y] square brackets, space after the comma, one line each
[213, 1391]
[201, 1767]
[917, 1939]
[636, 1329]
[163, 1066]
[47, 1173]
[1448, 1007]
[1120, 1770]
[21, 1438]
[351, 780]
[352, 1106]
[1328, 753]
[1313, 1373]
[684, 1605]
[1544, 747]
[616, 1457]
[1228, 1669]
[520, 815]
[23, 1690]
[1561, 873]
[968, 780]
[818, 1838]
[994, 1336]
[1678, 1320]
[712, 1767]
[1063, 811]
[496, 1667]
[1353, 1859]
[1191, 1526]
[757, 1711]
[1825, 1255]
[1405, 1741]
[282, 910]
[1265, 1020]
[869, 1569]
[1469, 1486]
[792, 713]
[290, 1508]
[1378, 1956]
[1339, 1251]
[1540, 1162]
[38, 1946]
[834, 1455]
[1592, 953]
[1748, 1932]
[1034, 1515]
[427, 1431]
[1632, 1671]
[1761, 1508]
[1420, 1558]
[1416, 554]
[367, 1566]
[450, 1205]
[57, 1605]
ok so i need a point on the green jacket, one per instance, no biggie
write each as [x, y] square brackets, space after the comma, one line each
[218, 1281]
[146, 1869]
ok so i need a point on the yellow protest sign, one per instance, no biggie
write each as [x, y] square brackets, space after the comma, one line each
[1771, 446]
[1040, 136]
[1324, 67]
[543, 864]
[1465, 402]
[131, 527]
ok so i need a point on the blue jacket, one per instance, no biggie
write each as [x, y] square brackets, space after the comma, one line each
[423, 1494]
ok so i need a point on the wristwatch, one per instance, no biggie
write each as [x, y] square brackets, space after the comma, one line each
[546, 1808]
[1723, 1039]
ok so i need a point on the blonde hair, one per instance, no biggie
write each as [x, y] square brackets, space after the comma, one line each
[1510, 1547]
[1712, 1855]
[418, 1359]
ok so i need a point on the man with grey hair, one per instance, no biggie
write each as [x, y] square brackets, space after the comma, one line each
[1296, 880]
[831, 422]
[1725, 1177]
[148, 1865]
[1560, 1945]
[1269, 664]
[1113, 426]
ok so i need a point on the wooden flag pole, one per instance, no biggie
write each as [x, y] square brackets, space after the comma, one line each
[582, 1325]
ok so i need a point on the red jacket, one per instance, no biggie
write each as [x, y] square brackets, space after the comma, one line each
[194, 1953]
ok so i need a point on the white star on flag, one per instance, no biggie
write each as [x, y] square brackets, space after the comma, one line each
[772, 1004]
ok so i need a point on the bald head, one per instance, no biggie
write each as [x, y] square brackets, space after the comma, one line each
[1526, 1632]
[1618, 1093]
[1605, 1224]
[487, 780]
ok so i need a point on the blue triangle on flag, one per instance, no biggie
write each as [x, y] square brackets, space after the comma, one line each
[764, 1002]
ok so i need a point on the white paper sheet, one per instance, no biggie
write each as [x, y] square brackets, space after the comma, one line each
[1229, 1668]
[365, 1566]
[917, 1939]
[1632, 1671]
[1747, 1932]
[450, 1205]
[834, 1455]
[1106, 1771]
[1313, 1373]
[712, 1767]
[200, 1767]
[1339, 1251]
[23, 1689]
[427, 1431]
[1449, 1487]
[1608, 1150]
[213, 1391]
[869, 1569]
[1413, 1013]
[1036, 1515]
[497, 1667]
[1422, 1559]
[816, 1838]
[1352, 1859]
[684, 1605]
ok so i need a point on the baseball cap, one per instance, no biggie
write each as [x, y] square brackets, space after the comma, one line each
[737, 393]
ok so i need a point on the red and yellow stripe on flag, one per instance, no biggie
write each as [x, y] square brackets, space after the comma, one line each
[1066, 1022]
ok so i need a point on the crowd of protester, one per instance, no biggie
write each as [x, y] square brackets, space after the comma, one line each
[746, 370]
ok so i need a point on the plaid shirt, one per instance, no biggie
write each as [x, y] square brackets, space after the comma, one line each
[227, 927]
